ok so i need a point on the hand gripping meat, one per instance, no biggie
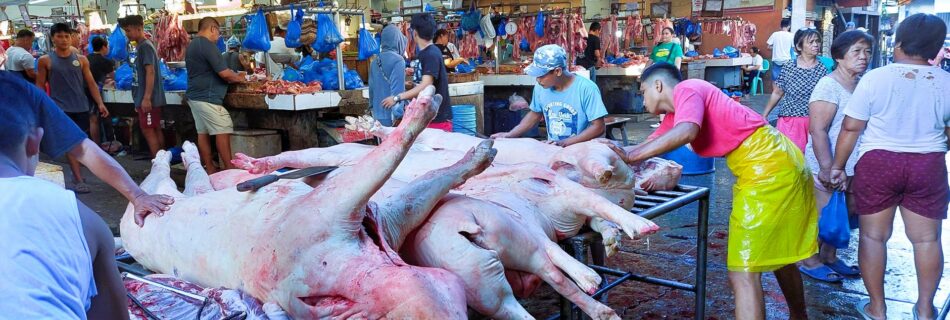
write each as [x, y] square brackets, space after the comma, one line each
[317, 252]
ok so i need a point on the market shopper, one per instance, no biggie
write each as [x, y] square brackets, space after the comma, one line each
[593, 55]
[62, 136]
[570, 105]
[794, 86]
[235, 59]
[433, 72]
[100, 67]
[752, 71]
[851, 51]
[19, 58]
[148, 86]
[208, 78]
[450, 53]
[780, 42]
[901, 114]
[774, 221]
[58, 255]
[667, 50]
[69, 78]
[387, 76]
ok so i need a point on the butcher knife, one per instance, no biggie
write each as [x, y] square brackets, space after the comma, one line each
[260, 182]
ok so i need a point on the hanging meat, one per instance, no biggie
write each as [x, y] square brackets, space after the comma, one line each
[634, 31]
[608, 39]
[83, 38]
[579, 38]
[170, 38]
[468, 47]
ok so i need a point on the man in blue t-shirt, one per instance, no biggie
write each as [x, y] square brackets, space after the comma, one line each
[570, 105]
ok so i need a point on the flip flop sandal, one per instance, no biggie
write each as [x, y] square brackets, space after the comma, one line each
[843, 269]
[862, 309]
[821, 273]
[81, 187]
[917, 317]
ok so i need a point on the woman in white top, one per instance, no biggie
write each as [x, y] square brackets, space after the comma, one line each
[851, 51]
[903, 110]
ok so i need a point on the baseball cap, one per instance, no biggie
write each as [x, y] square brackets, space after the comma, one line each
[547, 58]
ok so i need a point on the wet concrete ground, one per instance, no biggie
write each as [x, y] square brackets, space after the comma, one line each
[671, 254]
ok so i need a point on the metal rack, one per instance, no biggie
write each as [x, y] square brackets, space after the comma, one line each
[651, 206]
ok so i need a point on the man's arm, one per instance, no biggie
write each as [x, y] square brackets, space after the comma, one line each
[42, 72]
[27, 65]
[110, 302]
[593, 131]
[149, 86]
[680, 135]
[528, 122]
[600, 58]
[93, 87]
[106, 169]
[427, 80]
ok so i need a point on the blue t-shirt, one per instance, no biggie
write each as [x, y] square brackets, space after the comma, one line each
[567, 113]
[60, 134]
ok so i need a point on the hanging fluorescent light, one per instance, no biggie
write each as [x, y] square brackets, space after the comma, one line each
[37, 1]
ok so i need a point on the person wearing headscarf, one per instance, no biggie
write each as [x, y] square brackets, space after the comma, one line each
[387, 75]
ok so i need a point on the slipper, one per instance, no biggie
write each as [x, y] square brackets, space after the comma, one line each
[822, 273]
[80, 187]
[862, 308]
[917, 317]
[845, 270]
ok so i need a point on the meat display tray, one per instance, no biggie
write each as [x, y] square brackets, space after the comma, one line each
[650, 206]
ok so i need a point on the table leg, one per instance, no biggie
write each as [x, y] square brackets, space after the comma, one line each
[701, 244]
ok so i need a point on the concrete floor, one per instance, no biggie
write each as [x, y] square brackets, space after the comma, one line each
[670, 254]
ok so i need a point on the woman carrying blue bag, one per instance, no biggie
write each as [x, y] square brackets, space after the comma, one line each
[851, 52]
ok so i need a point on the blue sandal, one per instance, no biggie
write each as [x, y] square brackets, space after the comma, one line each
[843, 269]
[822, 273]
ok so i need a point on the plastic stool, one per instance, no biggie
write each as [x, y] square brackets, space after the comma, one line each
[757, 83]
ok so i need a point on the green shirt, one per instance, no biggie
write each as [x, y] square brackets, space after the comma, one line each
[666, 52]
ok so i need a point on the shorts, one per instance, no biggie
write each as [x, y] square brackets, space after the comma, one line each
[151, 119]
[444, 126]
[915, 181]
[81, 119]
[211, 118]
[796, 129]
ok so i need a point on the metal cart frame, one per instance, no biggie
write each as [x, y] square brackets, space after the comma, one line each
[651, 206]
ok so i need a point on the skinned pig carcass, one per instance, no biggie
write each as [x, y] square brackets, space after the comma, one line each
[316, 252]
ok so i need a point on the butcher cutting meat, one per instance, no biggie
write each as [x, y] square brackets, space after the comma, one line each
[571, 106]
[774, 219]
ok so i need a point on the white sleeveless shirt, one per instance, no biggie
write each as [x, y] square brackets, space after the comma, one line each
[45, 265]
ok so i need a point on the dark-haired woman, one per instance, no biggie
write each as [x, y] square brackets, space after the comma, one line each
[902, 114]
[794, 86]
[851, 52]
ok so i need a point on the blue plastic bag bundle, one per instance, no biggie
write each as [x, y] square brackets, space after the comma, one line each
[328, 37]
[539, 25]
[834, 227]
[367, 44]
[730, 51]
[500, 29]
[291, 75]
[717, 53]
[352, 80]
[178, 81]
[257, 37]
[221, 46]
[292, 40]
[123, 77]
[464, 68]
[118, 45]
[471, 19]
[691, 53]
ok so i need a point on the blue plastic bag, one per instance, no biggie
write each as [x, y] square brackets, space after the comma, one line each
[118, 45]
[292, 40]
[834, 227]
[123, 77]
[500, 30]
[539, 25]
[178, 81]
[525, 46]
[367, 44]
[464, 68]
[352, 80]
[257, 37]
[93, 36]
[328, 37]
[221, 46]
[291, 75]
[471, 20]
[730, 51]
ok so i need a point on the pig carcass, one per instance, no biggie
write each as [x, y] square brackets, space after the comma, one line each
[316, 252]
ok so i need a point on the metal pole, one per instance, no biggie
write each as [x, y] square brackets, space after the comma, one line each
[701, 246]
[339, 54]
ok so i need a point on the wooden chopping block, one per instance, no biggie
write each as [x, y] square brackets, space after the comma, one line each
[51, 173]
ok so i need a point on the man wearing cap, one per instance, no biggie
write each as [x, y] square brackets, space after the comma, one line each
[236, 61]
[570, 105]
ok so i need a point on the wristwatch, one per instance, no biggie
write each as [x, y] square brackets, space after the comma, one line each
[395, 98]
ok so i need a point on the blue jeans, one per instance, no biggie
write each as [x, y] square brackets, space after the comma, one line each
[776, 70]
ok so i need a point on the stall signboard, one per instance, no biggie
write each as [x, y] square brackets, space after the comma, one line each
[744, 4]
[697, 5]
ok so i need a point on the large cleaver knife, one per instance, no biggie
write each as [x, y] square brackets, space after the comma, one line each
[260, 182]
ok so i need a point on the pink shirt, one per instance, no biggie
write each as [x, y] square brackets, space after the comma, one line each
[723, 122]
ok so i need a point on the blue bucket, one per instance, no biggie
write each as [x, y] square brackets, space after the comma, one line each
[463, 119]
[692, 163]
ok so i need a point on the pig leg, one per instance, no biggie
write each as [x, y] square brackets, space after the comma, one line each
[589, 203]
[352, 187]
[610, 234]
[159, 180]
[585, 277]
[404, 211]
[549, 272]
[196, 180]
[344, 154]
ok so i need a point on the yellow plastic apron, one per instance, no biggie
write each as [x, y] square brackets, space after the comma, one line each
[774, 220]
